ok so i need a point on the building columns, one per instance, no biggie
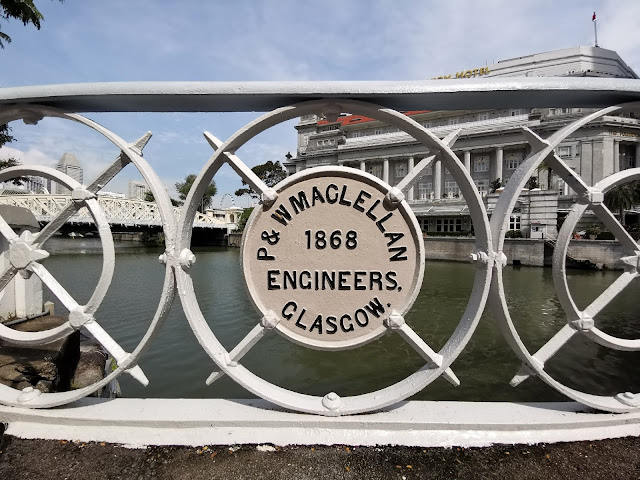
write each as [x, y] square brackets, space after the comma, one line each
[410, 165]
[363, 165]
[497, 174]
[385, 170]
[437, 179]
[467, 160]
[616, 156]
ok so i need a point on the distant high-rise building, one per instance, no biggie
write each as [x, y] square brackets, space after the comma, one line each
[70, 166]
[34, 184]
[137, 189]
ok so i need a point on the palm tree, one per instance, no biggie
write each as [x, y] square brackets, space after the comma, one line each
[623, 197]
[545, 166]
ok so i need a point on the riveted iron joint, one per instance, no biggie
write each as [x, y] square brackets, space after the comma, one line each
[593, 196]
[82, 195]
[78, 318]
[21, 254]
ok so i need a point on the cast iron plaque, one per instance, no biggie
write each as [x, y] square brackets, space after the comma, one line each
[332, 258]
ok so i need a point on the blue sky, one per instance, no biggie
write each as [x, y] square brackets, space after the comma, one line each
[249, 40]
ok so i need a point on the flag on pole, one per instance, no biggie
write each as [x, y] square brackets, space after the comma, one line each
[594, 17]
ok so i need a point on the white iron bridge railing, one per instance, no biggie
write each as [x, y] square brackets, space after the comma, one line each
[331, 238]
[119, 211]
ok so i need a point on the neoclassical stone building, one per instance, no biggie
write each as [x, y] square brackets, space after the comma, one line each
[491, 145]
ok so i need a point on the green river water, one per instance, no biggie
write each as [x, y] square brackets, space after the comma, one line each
[177, 366]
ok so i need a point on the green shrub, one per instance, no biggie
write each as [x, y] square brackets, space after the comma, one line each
[514, 234]
[448, 234]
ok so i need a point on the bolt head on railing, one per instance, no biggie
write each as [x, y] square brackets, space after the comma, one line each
[629, 398]
[28, 394]
[332, 401]
[187, 258]
[269, 196]
[395, 321]
[479, 256]
[163, 259]
[394, 197]
[270, 320]
[583, 324]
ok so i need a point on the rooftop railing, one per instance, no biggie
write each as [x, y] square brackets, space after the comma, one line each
[283, 101]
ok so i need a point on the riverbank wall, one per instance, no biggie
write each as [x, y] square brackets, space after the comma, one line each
[526, 251]
[234, 239]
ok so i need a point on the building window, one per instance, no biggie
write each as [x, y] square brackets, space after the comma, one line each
[451, 188]
[514, 222]
[481, 163]
[482, 185]
[513, 160]
[627, 156]
[377, 131]
[483, 116]
[448, 224]
[564, 151]
[424, 190]
[355, 134]
[454, 121]
[553, 111]
[515, 113]
[401, 169]
[426, 124]
[375, 170]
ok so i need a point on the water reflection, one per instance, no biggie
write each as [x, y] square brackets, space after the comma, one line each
[177, 366]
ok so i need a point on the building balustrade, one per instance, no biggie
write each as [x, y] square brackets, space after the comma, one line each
[339, 186]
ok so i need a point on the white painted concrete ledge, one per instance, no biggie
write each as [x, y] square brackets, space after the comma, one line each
[140, 422]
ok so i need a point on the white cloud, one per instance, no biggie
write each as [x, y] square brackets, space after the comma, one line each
[29, 157]
[618, 25]
[287, 40]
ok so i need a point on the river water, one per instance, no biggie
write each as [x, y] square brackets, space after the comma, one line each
[177, 367]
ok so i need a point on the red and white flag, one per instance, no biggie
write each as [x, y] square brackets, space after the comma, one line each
[593, 19]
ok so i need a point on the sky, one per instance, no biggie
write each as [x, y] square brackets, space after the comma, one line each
[278, 40]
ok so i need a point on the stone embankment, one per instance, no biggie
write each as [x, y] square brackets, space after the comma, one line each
[533, 252]
[73, 362]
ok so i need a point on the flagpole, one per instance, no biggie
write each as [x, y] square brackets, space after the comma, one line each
[595, 28]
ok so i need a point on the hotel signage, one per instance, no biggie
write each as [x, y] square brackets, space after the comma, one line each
[475, 72]
[332, 258]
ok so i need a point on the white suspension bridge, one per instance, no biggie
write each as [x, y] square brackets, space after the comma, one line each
[120, 212]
